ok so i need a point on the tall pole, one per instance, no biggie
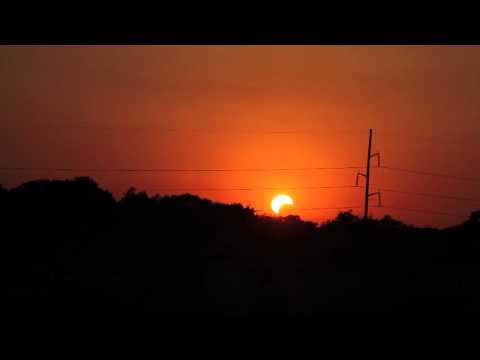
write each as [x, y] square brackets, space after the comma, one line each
[367, 193]
[367, 177]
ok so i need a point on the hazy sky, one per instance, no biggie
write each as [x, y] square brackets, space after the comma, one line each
[201, 107]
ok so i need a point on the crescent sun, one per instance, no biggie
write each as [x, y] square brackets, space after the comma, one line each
[279, 200]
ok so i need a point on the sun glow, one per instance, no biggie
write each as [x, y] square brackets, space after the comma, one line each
[279, 200]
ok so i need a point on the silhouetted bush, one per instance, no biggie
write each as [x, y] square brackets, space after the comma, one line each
[72, 248]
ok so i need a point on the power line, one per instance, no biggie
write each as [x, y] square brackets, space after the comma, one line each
[417, 172]
[420, 210]
[304, 188]
[174, 169]
[321, 208]
[147, 170]
[158, 129]
[444, 137]
[322, 218]
[378, 207]
[330, 208]
[255, 188]
[430, 195]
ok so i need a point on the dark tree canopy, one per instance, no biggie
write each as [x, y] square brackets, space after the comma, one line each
[475, 218]
[71, 245]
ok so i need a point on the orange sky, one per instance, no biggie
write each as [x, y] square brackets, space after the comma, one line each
[219, 106]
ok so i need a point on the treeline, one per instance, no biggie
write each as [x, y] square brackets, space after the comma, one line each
[71, 248]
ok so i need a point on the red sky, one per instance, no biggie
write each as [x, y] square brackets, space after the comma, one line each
[207, 107]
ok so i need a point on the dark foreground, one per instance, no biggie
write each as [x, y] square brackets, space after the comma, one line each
[70, 248]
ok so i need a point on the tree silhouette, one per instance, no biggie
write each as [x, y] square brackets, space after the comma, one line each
[346, 217]
[475, 218]
[71, 247]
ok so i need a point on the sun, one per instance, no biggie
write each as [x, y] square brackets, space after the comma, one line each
[279, 200]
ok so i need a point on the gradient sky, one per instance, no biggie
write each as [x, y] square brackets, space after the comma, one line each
[201, 107]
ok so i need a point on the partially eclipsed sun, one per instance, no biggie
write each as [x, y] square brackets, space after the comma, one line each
[280, 200]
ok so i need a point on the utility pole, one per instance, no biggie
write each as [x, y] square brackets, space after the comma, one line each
[367, 185]
[367, 176]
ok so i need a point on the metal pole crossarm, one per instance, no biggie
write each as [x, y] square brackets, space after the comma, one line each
[378, 158]
[359, 174]
[379, 197]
